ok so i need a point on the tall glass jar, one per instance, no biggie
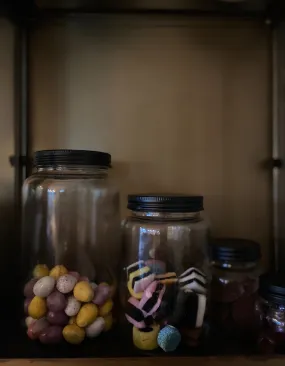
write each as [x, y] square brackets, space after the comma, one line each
[71, 245]
[272, 306]
[166, 270]
[234, 289]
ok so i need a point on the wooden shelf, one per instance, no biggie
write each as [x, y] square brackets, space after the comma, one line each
[147, 361]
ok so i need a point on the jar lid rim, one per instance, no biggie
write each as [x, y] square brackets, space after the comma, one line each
[156, 202]
[63, 157]
[235, 250]
[272, 287]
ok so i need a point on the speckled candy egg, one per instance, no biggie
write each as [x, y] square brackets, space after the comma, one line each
[87, 315]
[58, 271]
[73, 334]
[40, 270]
[37, 308]
[44, 286]
[56, 301]
[57, 318]
[72, 307]
[51, 335]
[66, 283]
[29, 288]
[83, 291]
[96, 328]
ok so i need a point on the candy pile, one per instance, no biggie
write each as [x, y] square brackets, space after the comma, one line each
[62, 304]
[162, 303]
[233, 310]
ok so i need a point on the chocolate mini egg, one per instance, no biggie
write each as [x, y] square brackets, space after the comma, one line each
[57, 318]
[37, 327]
[51, 335]
[40, 270]
[83, 291]
[74, 274]
[108, 322]
[73, 334]
[102, 294]
[96, 328]
[146, 339]
[26, 305]
[37, 308]
[58, 271]
[106, 308]
[44, 286]
[56, 301]
[29, 321]
[66, 283]
[87, 315]
[29, 288]
[73, 306]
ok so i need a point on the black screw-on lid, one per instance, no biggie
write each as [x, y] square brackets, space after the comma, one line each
[272, 287]
[235, 250]
[71, 157]
[165, 203]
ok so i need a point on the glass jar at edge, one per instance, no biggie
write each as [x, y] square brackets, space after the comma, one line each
[234, 313]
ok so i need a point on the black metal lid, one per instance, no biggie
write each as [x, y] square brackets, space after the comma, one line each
[71, 157]
[165, 203]
[272, 287]
[235, 250]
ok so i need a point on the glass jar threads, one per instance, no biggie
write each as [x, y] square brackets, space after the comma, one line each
[165, 278]
[234, 288]
[71, 245]
[272, 307]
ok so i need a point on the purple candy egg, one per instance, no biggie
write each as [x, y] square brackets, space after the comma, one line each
[56, 301]
[57, 318]
[26, 305]
[103, 292]
[29, 288]
[83, 278]
[51, 335]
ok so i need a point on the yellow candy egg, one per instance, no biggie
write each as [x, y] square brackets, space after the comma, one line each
[87, 315]
[58, 271]
[73, 334]
[106, 308]
[83, 291]
[108, 322]
[40, 270]
[72, 320]
[37, 308]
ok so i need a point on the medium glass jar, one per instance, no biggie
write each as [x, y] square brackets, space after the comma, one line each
[234, 289]
[272, 306]
[71, 245]
[166, 273]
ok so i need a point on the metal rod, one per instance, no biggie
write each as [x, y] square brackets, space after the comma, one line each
[275, 147]
[21, 110]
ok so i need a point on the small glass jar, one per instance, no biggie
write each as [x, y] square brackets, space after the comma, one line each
[272, 307]
[234, 289]
[166, 274]
[71, 246]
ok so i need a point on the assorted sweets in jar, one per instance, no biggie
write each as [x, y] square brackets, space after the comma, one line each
[234, 312]
[272, 307]
[71, 246]
[166, 273]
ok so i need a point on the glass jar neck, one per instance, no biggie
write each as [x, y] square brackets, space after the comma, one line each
[235, 266]
[167, 216]
[98, 171]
